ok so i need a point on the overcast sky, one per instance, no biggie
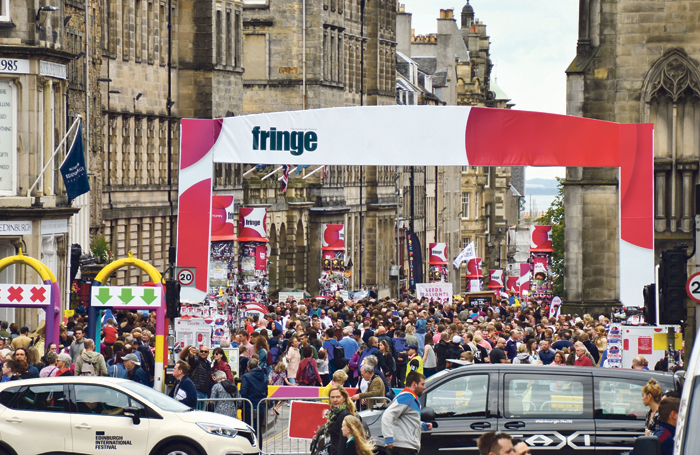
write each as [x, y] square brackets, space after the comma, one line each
[532, 44]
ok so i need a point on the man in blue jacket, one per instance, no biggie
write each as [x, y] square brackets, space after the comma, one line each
[184, 390]
[254, 388]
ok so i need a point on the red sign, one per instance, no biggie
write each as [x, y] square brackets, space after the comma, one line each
[692, 287]
[645, 345]
[222, 218]
[541, 239]
[252, 225]
[438, 253]
[333, 237]
[305, 418]
[512, 283]
[261, 257]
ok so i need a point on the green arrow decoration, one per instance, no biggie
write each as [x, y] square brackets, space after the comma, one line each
[149, 296]
[126, 296]
[103, 295]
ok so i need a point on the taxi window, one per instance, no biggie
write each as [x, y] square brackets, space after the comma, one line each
[95, 399]
[42, 398]
[556, 396]
[464, 396]
[619, 398]
[7, 395]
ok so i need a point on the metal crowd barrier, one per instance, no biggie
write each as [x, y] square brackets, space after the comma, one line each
[272, 429]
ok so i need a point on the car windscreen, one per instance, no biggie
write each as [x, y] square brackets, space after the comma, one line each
[161, 400]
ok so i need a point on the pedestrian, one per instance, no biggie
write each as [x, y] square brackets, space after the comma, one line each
[254, 388]
[117, 369]
[371, 385]
[668, 419]
[640, 363]
[50, 369]
[582, 360]
[224, 389]
[651, 396]
[429, 357]
[339, 378]
[63, 363]
[341, 407]
[7, 372]
[545, 353]
[78, 343]
[356, 440]
[323, 369]
[133, 365]
[21, 354]
[293, 358]
[498, 355]
[90, 363]
[493, 443]
[520, 447]
[415, 362]
[220, 363]
[184, 389]
[308, 374]
[23, 340]
[441, 350]
[401, 424]
[522, 357]
[200, 369]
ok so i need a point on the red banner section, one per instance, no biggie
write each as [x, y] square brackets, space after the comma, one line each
[333, 237]
[541, 239]
[222, 218]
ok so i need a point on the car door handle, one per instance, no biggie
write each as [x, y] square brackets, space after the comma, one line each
[480, 425]
[514, 425]
[83, 426]
[14, 420]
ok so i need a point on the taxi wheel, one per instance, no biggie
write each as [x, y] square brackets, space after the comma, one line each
[179, 449]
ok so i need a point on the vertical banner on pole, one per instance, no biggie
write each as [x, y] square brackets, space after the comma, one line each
[253, 282]
[437, 262]
[333, 280]
[415, 260]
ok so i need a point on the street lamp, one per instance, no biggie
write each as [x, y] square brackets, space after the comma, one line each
[45, 8]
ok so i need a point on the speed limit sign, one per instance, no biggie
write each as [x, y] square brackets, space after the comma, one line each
[693, 287]
[186, 276]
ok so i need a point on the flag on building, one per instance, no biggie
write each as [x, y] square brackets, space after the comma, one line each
[323, 173]
[73, 168]
[299, 168]
[285, 177]
[465, 255]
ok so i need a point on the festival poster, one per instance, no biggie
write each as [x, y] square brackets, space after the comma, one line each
[441, 292]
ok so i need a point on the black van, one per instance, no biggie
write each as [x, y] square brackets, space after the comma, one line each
[553, 408]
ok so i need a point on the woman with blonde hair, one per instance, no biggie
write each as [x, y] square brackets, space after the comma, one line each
[651, 396]
[356, 441]
[341, 407]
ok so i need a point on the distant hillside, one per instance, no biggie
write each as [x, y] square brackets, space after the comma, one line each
[541, 187]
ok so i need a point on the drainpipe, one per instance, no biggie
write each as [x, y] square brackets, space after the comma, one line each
[303, 54]
[673, 169]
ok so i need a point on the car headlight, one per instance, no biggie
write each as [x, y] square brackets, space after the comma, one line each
[220, 430]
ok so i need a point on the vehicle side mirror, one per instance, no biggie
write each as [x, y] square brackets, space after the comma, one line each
[427, 414]
[647, 445]
[134, 413]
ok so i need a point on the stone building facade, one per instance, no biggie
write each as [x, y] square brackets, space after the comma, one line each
[34, 210]
[636, 62]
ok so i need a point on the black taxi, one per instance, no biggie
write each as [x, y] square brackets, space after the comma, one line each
[558, 409]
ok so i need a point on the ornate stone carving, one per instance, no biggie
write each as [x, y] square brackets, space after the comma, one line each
[674, 75]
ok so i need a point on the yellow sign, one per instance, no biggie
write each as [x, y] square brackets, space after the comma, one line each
[68, 313]
[348, 273]
[661, 341]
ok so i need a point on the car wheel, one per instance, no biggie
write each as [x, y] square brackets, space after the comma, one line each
[179, 449]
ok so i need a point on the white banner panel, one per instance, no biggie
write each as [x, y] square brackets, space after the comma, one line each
[434, 291]
[125, 296]
[346, 136]
[25, 294]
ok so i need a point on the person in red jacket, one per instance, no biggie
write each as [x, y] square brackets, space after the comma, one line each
[582, 359]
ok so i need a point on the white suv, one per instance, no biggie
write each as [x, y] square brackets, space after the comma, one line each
[97, 415]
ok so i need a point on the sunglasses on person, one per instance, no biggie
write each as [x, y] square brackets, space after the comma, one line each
[203, 351]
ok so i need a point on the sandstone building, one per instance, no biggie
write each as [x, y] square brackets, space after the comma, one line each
[636, 62]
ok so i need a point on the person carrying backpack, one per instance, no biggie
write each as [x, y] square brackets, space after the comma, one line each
[335, 352]
[307, 374]
[89, 362]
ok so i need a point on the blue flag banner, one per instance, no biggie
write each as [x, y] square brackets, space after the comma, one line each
[73, 169]
[415, 260]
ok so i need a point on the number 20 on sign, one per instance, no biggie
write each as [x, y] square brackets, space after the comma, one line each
[692, 287]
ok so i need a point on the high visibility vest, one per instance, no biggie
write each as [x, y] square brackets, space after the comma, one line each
[420, 365]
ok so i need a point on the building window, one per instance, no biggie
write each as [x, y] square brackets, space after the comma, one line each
[487, 174]
[5, 11]
[477, 208]
[465, 168]
[465, 242]
[465, 205]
